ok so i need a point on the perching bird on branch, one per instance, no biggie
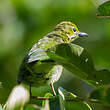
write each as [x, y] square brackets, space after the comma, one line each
[36, 68]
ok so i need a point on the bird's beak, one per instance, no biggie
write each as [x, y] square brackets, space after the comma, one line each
[82, 34]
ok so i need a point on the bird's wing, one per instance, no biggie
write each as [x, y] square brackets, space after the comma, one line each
[37, 54]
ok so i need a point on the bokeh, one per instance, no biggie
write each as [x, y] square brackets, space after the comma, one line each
[24, 22]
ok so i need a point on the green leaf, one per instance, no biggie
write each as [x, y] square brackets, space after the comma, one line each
[77, 60]
[102, 77]
[69, 101]
[104, 9]
[101, 95]
[74, 58]
[49, 95]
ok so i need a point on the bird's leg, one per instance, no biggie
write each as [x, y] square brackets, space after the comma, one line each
[54, 93]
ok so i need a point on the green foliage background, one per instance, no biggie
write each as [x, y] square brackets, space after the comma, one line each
[24, 22]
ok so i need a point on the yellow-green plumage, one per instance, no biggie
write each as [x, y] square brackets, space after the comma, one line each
[37, 69]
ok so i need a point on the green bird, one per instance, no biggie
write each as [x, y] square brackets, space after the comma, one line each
[36, 68]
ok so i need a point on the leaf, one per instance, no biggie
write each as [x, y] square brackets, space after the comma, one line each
[77, 60]
[46, 95]
[18, 98]
[104, 9]
[74, 58]
[102, 77]
[101, 95]
[69, 101]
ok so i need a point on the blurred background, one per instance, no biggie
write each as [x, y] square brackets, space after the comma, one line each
[24, 22]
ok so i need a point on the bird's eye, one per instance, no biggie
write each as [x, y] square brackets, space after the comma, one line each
[74, 29]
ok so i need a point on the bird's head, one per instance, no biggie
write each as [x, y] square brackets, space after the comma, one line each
[69, 31]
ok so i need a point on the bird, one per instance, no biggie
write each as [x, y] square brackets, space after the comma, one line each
[36, 68]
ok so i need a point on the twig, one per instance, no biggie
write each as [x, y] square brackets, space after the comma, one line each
[42, 98]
